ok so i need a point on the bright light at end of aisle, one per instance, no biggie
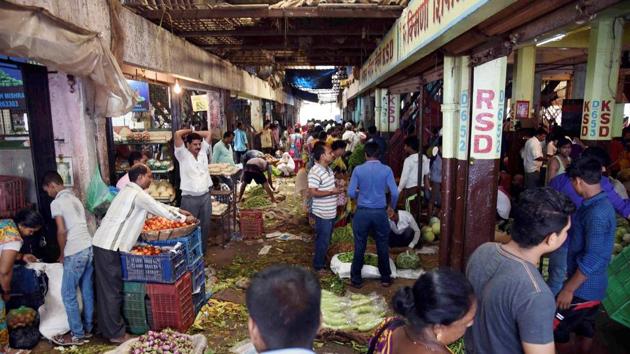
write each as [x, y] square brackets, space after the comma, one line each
[177, 89]
[318, 111]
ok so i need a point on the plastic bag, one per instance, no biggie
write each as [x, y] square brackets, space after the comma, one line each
[342, 270]
[24, 337]
[98, 194]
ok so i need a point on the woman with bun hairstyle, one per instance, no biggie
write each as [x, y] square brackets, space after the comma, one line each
[435, 312]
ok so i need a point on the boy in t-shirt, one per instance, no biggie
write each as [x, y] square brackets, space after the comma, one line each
[75, 245]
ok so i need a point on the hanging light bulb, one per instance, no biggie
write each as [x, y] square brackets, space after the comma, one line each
[177, 89]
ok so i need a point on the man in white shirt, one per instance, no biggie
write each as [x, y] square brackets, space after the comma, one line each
[349, 137]
[404, 229]
[118, 232]
[533, 158]
[75, 245]
[408, 184]
[284, 305]
[195, 181]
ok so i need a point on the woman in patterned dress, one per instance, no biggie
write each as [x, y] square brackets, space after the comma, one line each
[435, 312]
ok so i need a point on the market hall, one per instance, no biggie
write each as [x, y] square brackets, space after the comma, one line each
[167, 166]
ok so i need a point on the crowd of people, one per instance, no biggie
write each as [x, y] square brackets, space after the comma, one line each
[501, 304]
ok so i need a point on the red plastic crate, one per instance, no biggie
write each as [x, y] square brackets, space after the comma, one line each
[172, 305]
[12, 195]
[252, 224]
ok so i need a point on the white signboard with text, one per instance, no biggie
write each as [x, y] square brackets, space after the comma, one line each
[488, 109]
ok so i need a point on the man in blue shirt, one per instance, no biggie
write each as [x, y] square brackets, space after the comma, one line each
[240, 142]
[590, 248]
[562, 183]
[367, 186]
[378, 139]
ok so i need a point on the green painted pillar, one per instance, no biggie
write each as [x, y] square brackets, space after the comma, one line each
[523, 82]
[602, 75]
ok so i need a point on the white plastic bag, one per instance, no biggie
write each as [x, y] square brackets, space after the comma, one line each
[342, 270]
[53, 320]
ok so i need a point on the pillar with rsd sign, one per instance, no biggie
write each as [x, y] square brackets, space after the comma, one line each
[486, 129]
[602, 74]
[455, 137]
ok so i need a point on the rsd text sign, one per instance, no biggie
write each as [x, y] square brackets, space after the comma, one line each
[488, 109]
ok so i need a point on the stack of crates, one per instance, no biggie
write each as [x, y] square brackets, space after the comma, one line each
[194, 264]
[617, 301]
[158, 289]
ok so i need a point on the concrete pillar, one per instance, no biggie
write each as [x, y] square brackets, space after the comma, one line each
[455, 141]
[602, 75]
[524, 78]
[578, 82]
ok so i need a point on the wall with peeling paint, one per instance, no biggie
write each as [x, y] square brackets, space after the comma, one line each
[151, 47]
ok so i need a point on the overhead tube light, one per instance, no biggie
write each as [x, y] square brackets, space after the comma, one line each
[555, 38]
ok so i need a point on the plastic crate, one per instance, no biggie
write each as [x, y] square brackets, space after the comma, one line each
[134, 307]
[617, 301]
[163, 268]
[198, 276]
[191, 246]
[252, 224]
[199, 299]
[619, 261]
[172, 305]
[12, 195]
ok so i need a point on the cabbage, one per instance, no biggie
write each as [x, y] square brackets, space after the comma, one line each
[408, 260]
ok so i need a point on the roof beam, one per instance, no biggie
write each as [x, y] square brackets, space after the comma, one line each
[255, 32]
[289, 47]
[264, 11]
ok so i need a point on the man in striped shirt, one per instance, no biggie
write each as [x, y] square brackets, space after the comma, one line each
[321, 185]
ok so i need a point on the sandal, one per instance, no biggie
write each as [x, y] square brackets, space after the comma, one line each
[67, 340]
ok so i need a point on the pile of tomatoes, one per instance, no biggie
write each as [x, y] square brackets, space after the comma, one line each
[146, 250]
[160, 223]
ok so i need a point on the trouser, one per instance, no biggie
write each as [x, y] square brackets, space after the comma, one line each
[557, 269]
[201, 208]
[402, 240]
[78, 272]
[323, 231]
[239, 156]
[532, 179]
[364, 221]
[109, 292]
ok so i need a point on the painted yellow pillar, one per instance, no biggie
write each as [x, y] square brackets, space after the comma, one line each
[602, 75]
[456, 107]
[523, 82]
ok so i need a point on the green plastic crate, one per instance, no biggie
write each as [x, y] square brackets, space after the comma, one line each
[619, 261]
[617, 301]
[134, 308]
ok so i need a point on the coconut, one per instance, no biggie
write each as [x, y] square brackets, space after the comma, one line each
[428, 235]
[436, 228]
[434, 220]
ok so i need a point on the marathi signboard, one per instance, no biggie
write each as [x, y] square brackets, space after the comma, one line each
[141, 90]
[382, 59]
[419, 24]
[488, 100]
